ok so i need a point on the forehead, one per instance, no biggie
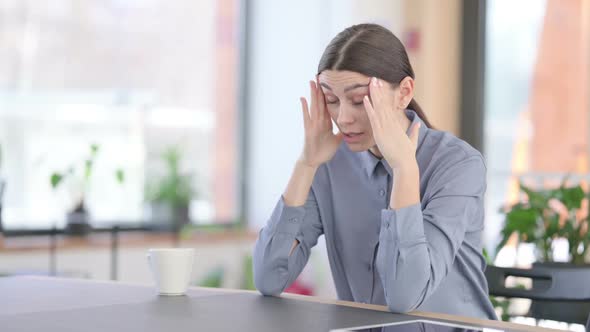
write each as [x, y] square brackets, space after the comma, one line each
[338, 80]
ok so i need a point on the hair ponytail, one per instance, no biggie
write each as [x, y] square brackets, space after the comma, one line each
[416, 108]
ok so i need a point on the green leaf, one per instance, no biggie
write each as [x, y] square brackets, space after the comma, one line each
[522, 220]
[94, 149]
[553, 228]
[56, 179]
[214, 278]
[173, 188]
[88, 168]
[486, 256]
[567, 229]
[248, 281]
[120, 175]
[537, 198]
[503, 304]
[572, 197]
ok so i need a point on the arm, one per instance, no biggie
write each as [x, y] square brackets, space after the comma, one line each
[417, 247]
[284, 244]
[298, 188]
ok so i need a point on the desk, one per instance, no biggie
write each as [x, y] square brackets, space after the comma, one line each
[53, 304]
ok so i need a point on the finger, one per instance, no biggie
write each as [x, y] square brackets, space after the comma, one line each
[314, 101]
[305, 110]
[322, 109]
[328, 121]
[375, 92]
[415, 133]
[370, 111]
[391, 97]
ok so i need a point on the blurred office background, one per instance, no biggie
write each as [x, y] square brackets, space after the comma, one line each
[176, 123]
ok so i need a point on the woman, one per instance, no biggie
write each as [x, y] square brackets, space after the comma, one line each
[400, 204]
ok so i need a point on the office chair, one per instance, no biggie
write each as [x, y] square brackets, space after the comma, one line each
[559, 292]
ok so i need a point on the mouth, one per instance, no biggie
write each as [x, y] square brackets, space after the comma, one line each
[352, 137]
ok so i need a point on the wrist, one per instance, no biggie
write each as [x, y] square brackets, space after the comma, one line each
[301, 163]
[406, 187]
[299, 184]
[406, 166]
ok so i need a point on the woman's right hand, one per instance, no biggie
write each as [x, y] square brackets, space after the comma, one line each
[320, 142]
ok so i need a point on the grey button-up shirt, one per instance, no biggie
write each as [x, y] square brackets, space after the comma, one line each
[423, 257]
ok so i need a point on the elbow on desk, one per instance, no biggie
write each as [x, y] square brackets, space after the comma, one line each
[266, 277]
[265, 284]
[407, 294]
[400, 307]
[403, 303]
[267, 289]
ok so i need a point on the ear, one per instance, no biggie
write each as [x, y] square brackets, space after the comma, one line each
[406, 92]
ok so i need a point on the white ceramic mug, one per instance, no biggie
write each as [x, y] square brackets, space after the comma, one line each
[171, 269]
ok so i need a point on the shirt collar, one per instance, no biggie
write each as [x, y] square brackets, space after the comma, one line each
[369, 161]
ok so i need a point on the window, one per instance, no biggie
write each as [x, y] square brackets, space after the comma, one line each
[135, 78]
[537, 110]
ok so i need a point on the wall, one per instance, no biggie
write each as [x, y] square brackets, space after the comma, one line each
[437, 59]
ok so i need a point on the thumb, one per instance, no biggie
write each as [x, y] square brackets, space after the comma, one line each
[415, 133]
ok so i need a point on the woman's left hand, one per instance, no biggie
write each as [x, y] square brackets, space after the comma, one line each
[398, 148]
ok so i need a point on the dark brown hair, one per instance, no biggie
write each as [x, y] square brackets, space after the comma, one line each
[373, 51]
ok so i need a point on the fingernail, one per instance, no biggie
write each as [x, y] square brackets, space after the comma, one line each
[374, 81]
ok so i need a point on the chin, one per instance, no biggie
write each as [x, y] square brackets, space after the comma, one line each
[358, 147]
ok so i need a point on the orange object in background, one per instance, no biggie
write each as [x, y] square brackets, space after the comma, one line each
[559, 101]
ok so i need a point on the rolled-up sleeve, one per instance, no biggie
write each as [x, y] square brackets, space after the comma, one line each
[274, 267]
[417, 246]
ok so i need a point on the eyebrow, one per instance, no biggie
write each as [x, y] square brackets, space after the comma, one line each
[348, 88]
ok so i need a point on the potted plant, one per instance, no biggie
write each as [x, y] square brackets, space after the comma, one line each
[77, 218]
[542, 217]
[169, 195]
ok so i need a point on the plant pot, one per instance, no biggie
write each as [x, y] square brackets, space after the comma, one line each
[77, 223]
[166, 217]
[181, 215]
[565, 311]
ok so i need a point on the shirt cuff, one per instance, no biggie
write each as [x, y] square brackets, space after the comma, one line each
[404, 226]
[287, 219]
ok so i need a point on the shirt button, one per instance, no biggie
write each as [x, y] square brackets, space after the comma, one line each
[382, 192]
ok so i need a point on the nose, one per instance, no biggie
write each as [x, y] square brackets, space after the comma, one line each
[345, 116]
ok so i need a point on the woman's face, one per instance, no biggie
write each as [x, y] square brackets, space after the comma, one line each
[344, 91]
